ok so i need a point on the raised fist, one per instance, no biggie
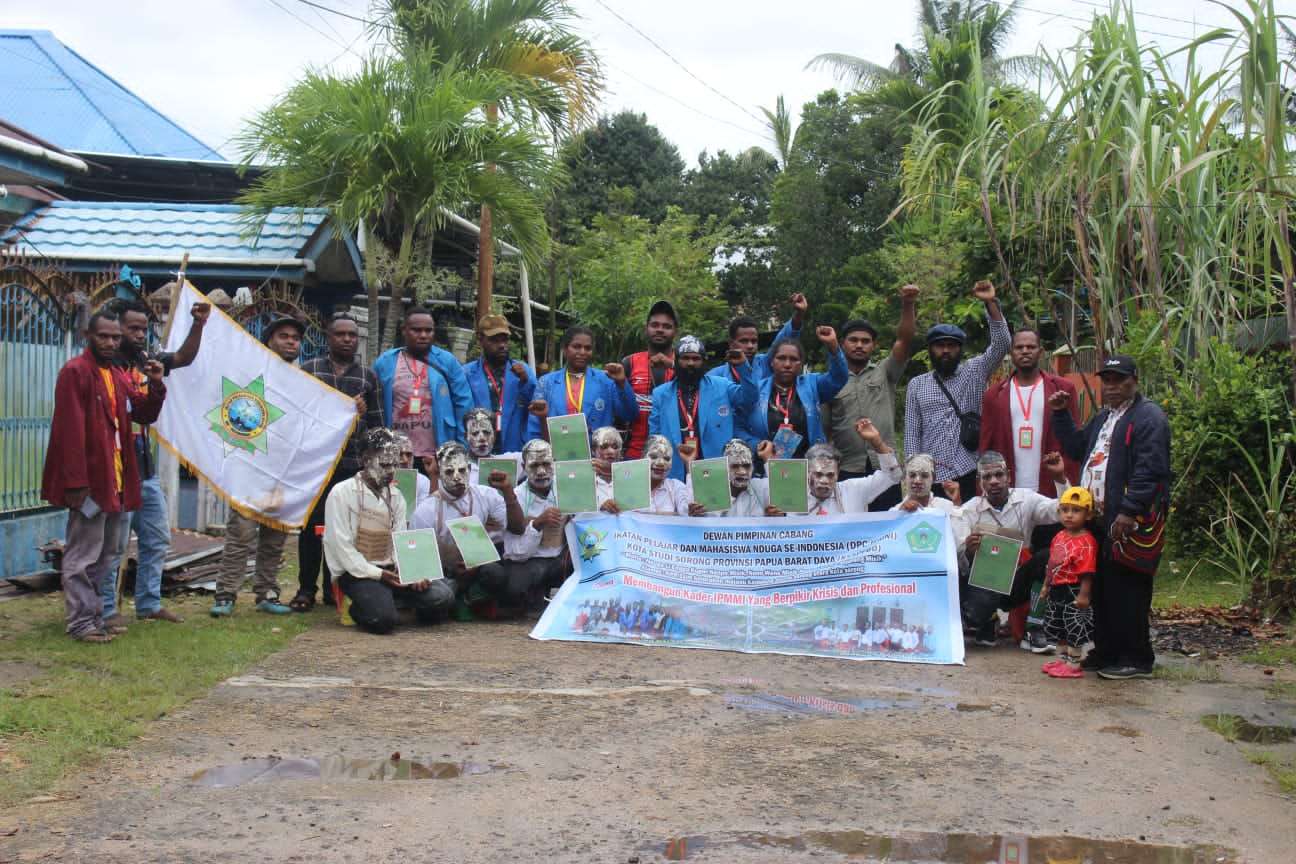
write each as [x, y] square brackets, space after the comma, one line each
[865, 429]
[660, 360]
[909, 292]
[1059, 401]
[828, 336]
[538, 408]
[520, 370]
[765, 450]
[800, 303]
[199, 312]
[615, 371]
[984, 291]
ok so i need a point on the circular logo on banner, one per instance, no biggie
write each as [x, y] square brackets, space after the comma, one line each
[243, 415]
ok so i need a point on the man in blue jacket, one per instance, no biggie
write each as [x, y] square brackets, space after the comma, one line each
[504, 388]
[744, 334]
[700, 411]
[425, 392]
[1125, 454]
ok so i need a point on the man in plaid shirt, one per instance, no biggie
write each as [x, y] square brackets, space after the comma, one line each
[931, 422]
[340, 370]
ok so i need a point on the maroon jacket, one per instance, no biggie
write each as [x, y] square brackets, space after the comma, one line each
[80, 451]
[997, 433]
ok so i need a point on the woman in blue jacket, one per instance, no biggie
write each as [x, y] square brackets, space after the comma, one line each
[789, 399]
[602, 395]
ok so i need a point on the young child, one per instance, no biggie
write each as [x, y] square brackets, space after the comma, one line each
[1068, 581]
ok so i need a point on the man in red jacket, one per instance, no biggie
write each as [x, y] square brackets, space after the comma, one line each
[1016, 423]
[651, 368]
[91, 468]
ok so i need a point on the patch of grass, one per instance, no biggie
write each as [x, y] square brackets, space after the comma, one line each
[91, 698]
[1225, 725]
[1274, 652]
[1195, 583]
[1201, 673]
[1282, 690]
[1283, 772]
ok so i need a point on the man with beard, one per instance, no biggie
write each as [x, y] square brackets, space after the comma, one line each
[699, 413]
[282, 336]
[1002, 511]
[870, 392]
[942, 406]
[648, 370]
[1125, 450]
[534, 560]
[90, 466]
[151, 521]
[502, 386]
[744, 335]
[340, 370]
[454, 497]
[425, 392]
[360, 515]
[828, 496]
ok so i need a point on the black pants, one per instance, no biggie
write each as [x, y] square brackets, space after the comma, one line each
[512, 582]
[374, 604]
[883, 502]
[979, 604]
[1122, 602]
[310, 547]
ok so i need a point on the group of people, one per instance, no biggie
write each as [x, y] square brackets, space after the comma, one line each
[997, 461]
[633, 619]
[877, 638]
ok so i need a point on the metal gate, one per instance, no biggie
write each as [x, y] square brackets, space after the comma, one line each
[36, 338]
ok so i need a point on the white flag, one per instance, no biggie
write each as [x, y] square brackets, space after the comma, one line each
[264, 434]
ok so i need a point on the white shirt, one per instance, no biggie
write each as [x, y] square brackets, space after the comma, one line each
[1024, 510]
[422, 489]
[527, 545]
[483, 502]
[1026, 461]
[1094, 474]
[352, 505]
[752, 501]
[671, 498]
[935, 505]
[854, 496]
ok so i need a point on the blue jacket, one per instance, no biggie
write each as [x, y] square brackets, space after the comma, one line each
[722, 407]
[761, 363]
[513, 402]
[812, 388]
[448, 390]
[605, 402]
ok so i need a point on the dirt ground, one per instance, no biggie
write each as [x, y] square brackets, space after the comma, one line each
[627, 754]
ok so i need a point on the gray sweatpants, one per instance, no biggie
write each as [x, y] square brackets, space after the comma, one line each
[90, 547]
[243, 536]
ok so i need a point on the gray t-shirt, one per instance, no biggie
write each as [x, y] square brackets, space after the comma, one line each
[871, 394]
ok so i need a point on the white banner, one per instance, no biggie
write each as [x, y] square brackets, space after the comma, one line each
[262, 432]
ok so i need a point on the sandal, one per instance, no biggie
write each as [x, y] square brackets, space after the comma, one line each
[302, 603]
[97, 637]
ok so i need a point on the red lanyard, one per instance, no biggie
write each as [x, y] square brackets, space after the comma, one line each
[785, 406]
[419, 375]
[689, 414]
[498, 390]
[1026, 405]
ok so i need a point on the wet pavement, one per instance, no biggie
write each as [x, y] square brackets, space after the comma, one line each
[333, 768]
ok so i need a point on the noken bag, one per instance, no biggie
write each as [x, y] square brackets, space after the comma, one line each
[969, 423]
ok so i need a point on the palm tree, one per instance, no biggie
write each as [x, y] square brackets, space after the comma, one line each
[779, 123]
[393, 148]
[555, 75]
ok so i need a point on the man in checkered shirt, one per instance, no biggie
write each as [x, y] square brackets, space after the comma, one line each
[931, 423]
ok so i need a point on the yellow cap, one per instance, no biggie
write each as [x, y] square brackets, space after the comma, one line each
[1077, 497]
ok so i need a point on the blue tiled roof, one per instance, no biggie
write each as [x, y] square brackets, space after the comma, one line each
[50, 90]
[116, 231]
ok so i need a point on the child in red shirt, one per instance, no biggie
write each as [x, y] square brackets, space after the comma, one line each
[1073, 560]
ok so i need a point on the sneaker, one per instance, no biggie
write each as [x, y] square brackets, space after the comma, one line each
[1124, 673]
[272, 606]
[223, 607]
[95, 637]
[1037, 643]
[986, 636]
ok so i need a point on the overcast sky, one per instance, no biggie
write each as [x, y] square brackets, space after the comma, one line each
[209, 64]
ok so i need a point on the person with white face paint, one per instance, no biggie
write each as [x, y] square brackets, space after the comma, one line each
[359, 518]
[422, 485]
[479, 432]
[829, 497]
[750, 495]
[670, 497]
[454, 497]
[607, 448]
[919, 474]
[536, 559]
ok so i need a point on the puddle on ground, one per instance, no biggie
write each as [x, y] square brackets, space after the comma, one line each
[924, 847]
[808, 704]
[1237, 728]
[273, 769]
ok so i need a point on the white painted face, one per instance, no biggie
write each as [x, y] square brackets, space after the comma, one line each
[379, 468]
[453, 471]
[607, 444]
[480, 433]
[823, 478]
[539, 466]
[659, 457]
[918, 477]
[740, 469]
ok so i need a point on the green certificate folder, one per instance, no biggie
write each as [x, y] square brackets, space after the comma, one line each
[418, 555]
[407, 483]
[575, 486]
[787, 484]
[710, 478]
[486, 466]
[632, 485]
[472, 541]
[995, 564]
[569, 437]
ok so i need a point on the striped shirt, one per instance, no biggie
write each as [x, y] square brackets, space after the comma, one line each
[931, 426]
[354, 381]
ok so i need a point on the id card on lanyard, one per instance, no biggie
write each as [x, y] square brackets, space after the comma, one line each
[419, 384]
[497, 390]
[688, 416]
[1025, 432]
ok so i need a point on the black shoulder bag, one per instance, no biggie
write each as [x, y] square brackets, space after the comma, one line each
[969, 423]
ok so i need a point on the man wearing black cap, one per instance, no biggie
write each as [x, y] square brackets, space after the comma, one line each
[283, 336]
[651, 368]
[1125, 453]
[870, 393]
[942, 407]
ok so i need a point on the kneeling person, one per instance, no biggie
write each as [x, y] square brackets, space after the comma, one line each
[534, 560]
[360, 515]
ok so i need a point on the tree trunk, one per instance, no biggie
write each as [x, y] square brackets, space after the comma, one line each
[988, 217]
[395, 308]
[1289, 289]
[486, 246]
[551, 343]
[373, 328]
